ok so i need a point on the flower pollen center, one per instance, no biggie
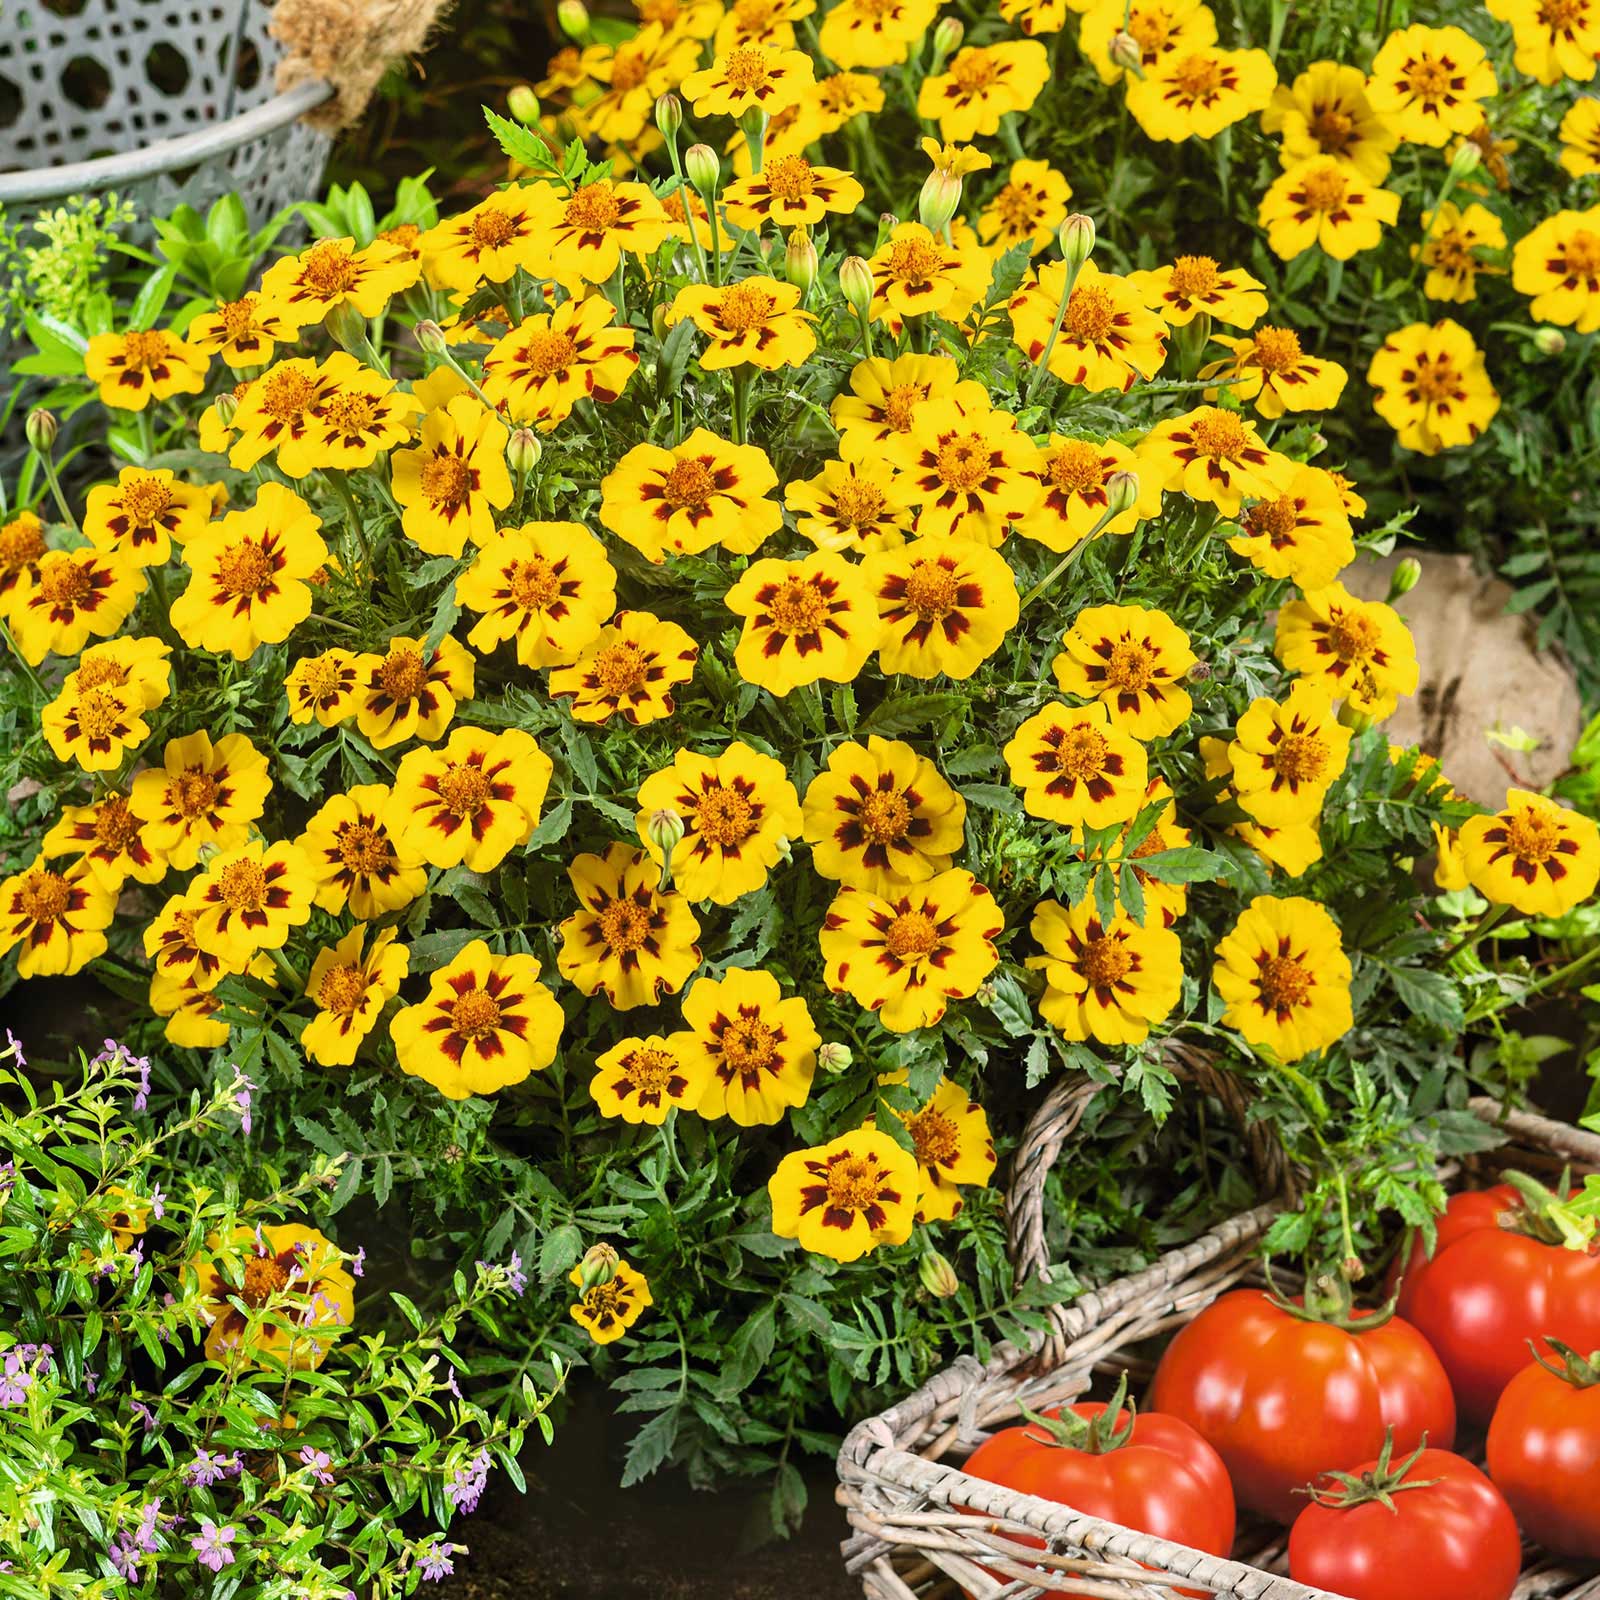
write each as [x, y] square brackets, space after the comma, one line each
[342, 989]
[688, 485]
[725, 817]
[286, 393]
[475, 1014]
[1429, 78]
[1275, 349]
[545, 352]
[145, 499]
[1076, 466]
[44, 896]
[973, 71]
[1219, 434]
[1193, 276]
[1091, 314]
[853, 1183]
[1532, 835]
[621, 668]
[243, 885]
[744, 306]
[329, 269]
[350, 414]
[649, 1071]
[624, 926]
[363, 847]
[593, 209]
[99, 714]
[533, 583]
[404, 674]
[264, 1276]
[464, 788]
[1582, 253]
[1282, 982]
[1300, 757]
[749, 1044]
[900, 402]
[1082, 753]
[963, 461]
[745, 69]
[914, 261]
[931, 590]
[193, 792]
[64, 582]
[115, 825]
[790, 178]
[797, 607]
[884, 817]
[1353, 635]
[1105, 962]
[144, 351]
[1324, 190]
[857, 503]
[1198, 76]
[1131, 667]
[446, 480]
[1333, 129]
[911, 935]
[937, 1140]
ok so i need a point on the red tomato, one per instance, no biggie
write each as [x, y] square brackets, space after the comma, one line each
[1445, 1534]
[1489, 1289]
[1284, 1399]
[1544, 1456]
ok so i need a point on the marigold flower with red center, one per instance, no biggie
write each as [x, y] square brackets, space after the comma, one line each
[607, 1310]
[842, 97]
[1108, 339]
[279, 410]
[630, 667]
[1555, 39]
[1197, 94]
[1214, 456]
[756, 321]
[1196, 286]
[803, 620]
[244, 332]
[249, 575]
[201, 795]
[451, 485]
[1270, 370]
[303, 289]
[143, 513]
[1134, 661]
[952, 1145]
[629, 939]
[750, 78]
[641, 1080]
[1073, 474]
[95, 727]
[1285, 978]
[884, 396]
[363, 418]
[982, 84]
[132, 369]
[1427, 83]
[22, 547]
[251, 896]
[1293, 847]
[874, 33]
[110, 838]
[946, 606]
[547, 363]
[631, 74]
[354, 859]
[138, 666]
[755, 1050]
[790, 193]
[177, 952]
[190, 1013]
[1432, 386]
[1357, 650]
[1325, 112]
[739, 811]
[57, 915]
[1325, 202]
[1105, 981]
[1535, 855]
[1074, 767]
[971, 473]
[78, 595]
[906, 954]
[1302, 534]
[1558, 264]
[916, 273]
[1164, 30]
[350, 990]
[1026, 209]
[1454, 237]
[487, 243]
[759, 22]
[323, 687]
[404, 694]
[845, 1198]
[587, 231]
[856, 506]
[1286, 755]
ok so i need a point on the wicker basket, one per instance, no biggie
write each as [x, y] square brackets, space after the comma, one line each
[900, 1489]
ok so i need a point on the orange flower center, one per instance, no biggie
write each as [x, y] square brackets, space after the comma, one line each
[1152, 844]
[99, 713]
[342, 989]
[624, 926]
[688, 484]
[1091, 314]
[1151, 30]
[142, 351]
[329, 269]
[931, 590]
[973, 71]
[404, 674]
[1452, 253]
[963, 461]
[363, 848]
[445, 479]
[1324, 189]
[753, 16]
[745, 69]
[1198, 75]
[1532, 835]
[1082, 753]
[1300, 757]
[1194, 275]
[193, 793]
[244, 570]
[95, 671]
[744, 306]
[790, 178]
[404, 234]
[629, 69]
[1275, 349]
[858, 504]
[797, 607]
[1076, 466]
[1131, 666]
[238, 317]
[533, 583]
[852, 1184]
[243, 885]
[21, 543]
[1018, 206]
[883, 817]
[64, 581]
[910, 935]
[264, 1276]
[937, 1140]
[1282, 982]
[725, 817]
[593, 208]
[1354, 636]
[620, 669]
[475, 1015]
[464, 788]
[649, 1070]
[350, 413]
[1582, 253]
[285, 394]
[1436, 380]
[320, 678]
[1333, 129]
[545, 352]
[1219, 434]
[1105, 962]
[900, 402]
[749, 1045]
[144, 500]
[1273, 520]
[44, 895]
[491, 229]
[914, 261]
[1427, 78]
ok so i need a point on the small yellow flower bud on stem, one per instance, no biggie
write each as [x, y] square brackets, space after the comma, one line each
[1122, 493]
[1407, 574]
[800, 261]
[939, 201]
[665, 830]
[938, 1276]
[856, 285]
[40, 430]
[573, 17]
[834, 1058]
[1076, 238]
[599, 1266]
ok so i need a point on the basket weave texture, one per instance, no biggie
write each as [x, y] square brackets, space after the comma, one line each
[925, 1530]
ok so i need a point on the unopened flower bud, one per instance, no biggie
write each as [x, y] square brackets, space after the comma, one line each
[1352, 1269]
[1077, 239]
[226, 407]
[753, 122]
[1122, 492]
[523, 451]
[1467, 159]
[665, 831]
[345, 325]
[702, 167]
[1549, 341]
[940, 197]
[1125, 52]
[599, 1265]
[41, 429]
[1407, 572]
[800, 260]
[834, 1058]
[523, 104]
[573, 16]
[855, 284]
[658, 321]
[669, 116]
[430, 338]
[947, 36]
[938, 1276]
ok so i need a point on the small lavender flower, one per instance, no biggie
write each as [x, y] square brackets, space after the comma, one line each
[358, 1263]
[91, 1380]
[319, 1461]
[208, 1468]
[158, 1203]
[8, 1178]
[13, 1050]
[210, 1545]
[433, 1560]
[450, 1383]
[145, 1415]
[516, 1278]
[466, 1487]
[125, 1557]
[149, 1516]
[242, 1100]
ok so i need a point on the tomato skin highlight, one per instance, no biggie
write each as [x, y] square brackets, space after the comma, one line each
[1544, 1456]
[1283, 1400]
[1452, 1540]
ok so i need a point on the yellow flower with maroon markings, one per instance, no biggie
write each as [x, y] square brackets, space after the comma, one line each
[110, 838]
[759, 22]
[755, 1051]
[404, 694]
[873, 33]
[981, 85]
[244, 332]
[323, 687]
[1286, 754]
[954, 160]
[946, 606]
[1325, 112]
[609, 1309]
[750, 78]
[702, 492]
[1580, 138]
[1432, 386]
[1451, 254]
[884, 396]
[365, 416]
[641, 1080]
[1284, 977]
[201, 796]
[1215, 456]
[487, 1022]
[1198, 94]
[1357, 650]
[845, 1198]
[487, 243]
[1196, 286]
[1105, 981]
[739, 812]
[1327, 203]
[95, 727]
[630, 667]
[350, 989]
[804, 620]
[857, 506]
[57, 916]
[1163, 902]
[790, 193]
[303, 289]
[1108, 339]
[1558, 264]
[1293, 847]
[143, 513]
[632, 73]
[138, 666]
[1027, 208]
[1535, 856]
[756, 321]
[969, 470]
[586, 232]
[1302, 534]
[190, 1013]
[1134, 661]
[1426, 83]
[691, 220]
[249, 898]
[1042, 16]
[1162, 29]
[1270, 370]
[279, 409]
[547, 363]
[132, 369]
[1074, 497]
[354, 859]
[629, 939]
[880, 816]
[1555, 39]
[1074, 767]
[22, 547]
[953, 1148]
[470, 802]
[917, 272]
[249, 575]
[79, 595]
[907, 953]
[451, 485]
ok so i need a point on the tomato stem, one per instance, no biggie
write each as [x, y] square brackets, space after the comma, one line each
[1582, 1372]
[1552, 1216]
[1097, 1436]
[1380, 1483]
[1329, 1299]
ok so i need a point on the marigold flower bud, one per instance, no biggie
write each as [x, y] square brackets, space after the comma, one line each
[523, 451]
[1407, 573]
[599, 1265]
[41, 429]
[1467, 159]
[658, 321]
[947, 36]
[1122, 492]
[702, 167]
[669, 115]
[226, 407]
[753, 123]
[940, 197]
[523, 104]
[665, 830]
[834, 1058]
[1077, 239]
[1549, 341]
[573, 15]
[430, 338]
[938, 1276]
[855, 284]
[346, 326]
[1125, 52]
[800, 260]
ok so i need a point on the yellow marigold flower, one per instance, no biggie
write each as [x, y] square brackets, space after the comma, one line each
[452, 484]
[216, 436]
[1284, 977]
[1427, 83]
[702, 492]
[289, 1271]
[109, 838]
[22, 547]
[303, 289]
[132, 369]
[955, 160]
[881, 817]
[1215, 456]
[857, 506]
[916, 273]
[749, 78]
[1133, 660]
[403, 694]
[1108, 338]
[845, 1198]
[1454, 238]
[548, 585]
[1555, 39]
[739, 811]
[139, 666]
[58, 918]
[1432, 386]
[201, 795]
[565, 70]
[354, 860]
[838, 100]
[1197, 95]
[609, 1309]
[1302, 534]
[756, 321]
[1164, 30]
[1107, 982]
[1535, 856]
[248, 898]
[244, 332]
[1293, 847]
[629, 939]
[953, 1148]
[249, 575]
[884, 396]
[970, 471]
[183, 970]
[1357, 650]
[1074, 767]
[190, 1013]
[78, 595]
[1286, 755]
[365, 416]
[1580, 138]
[143, 513]
[759, 22]
[281, 408]
[946, 606]
[95, 727]
[1558, 263]
[350, 990]
[585, 233]
[790, 193]
[875, 33]
[630, 667]
[469, 802]
[1271, 371]
[755, 1051]
[1040, 16]
[547, 363]
[1195, 286]
[1325, 112]
[323, 687]
[906, 954]
[1325, 202]
[803, 620]
[641, 1080]
[1027, 208]
[1073, 473]
[982, 84]
[692, 19]
[632, 73]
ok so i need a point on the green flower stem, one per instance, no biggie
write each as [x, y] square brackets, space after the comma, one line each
[686, 189]
[48, 467]
[1475, 934]
[1068, 559]
[1055, 332]
[740, 377]
[341, 486]
[1010, 138]
[465, 376]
